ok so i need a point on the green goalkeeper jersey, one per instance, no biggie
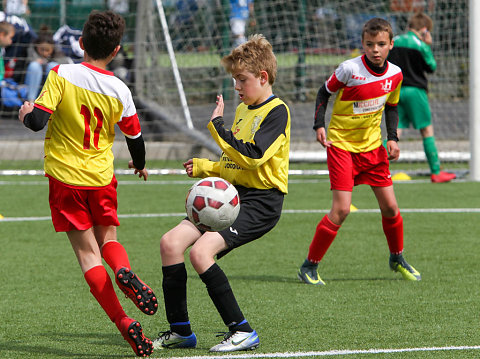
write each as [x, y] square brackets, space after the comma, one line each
[414, 57]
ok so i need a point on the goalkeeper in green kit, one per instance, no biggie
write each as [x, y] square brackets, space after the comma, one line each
[412, 53]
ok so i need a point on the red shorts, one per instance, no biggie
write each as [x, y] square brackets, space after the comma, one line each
[76, 208]
[348, 169]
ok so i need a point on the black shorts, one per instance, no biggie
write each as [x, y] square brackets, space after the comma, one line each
[260, 210]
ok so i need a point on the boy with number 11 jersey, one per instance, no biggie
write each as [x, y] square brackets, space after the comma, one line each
[78, 142]
[82, 103]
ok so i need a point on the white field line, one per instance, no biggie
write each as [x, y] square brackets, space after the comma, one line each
[137, 182]
[330, 353]
[190, 181]
[286, 211]
[193, 180]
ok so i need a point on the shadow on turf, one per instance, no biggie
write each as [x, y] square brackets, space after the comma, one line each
[257, 278]
[90, 339]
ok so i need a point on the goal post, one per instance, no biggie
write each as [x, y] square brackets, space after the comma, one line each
[474, 90]
[173, 61]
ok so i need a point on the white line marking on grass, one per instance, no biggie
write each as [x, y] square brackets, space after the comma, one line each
[127, 183]
[286, 211]
[152, 215]
[24, 219]
[329, 353]
[184, 182]
[139, 182]
[143, 215]
[23, 183]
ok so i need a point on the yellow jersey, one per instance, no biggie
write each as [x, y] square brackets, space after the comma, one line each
[359, 104]
[255, 150]
[85, 102]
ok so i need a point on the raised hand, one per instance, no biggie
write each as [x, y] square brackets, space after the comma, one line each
[218, 111]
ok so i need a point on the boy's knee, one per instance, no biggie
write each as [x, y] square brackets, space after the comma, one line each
[168, 245]
[196, 256]
[389, 212]
[200, 259]
[339, 215]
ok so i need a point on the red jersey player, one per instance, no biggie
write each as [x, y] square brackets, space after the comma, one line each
[82, 103]
[367, 85]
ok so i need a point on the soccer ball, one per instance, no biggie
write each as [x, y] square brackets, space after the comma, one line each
[212, 204]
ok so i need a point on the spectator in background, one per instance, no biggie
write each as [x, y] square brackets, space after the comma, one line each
[16, 7]
[241, 11]
[183, 20]
[7, 31]
[10, 93]
[43, 55]
[119, 6]
[15, 55]
[119, 65]
[67, 38]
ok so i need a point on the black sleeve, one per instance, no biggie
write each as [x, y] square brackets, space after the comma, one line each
[320, 107]
[36, 120]
[136, 147]
[391, 121]
[274, 125]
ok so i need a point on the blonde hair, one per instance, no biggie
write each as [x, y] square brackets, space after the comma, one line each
[254, 56]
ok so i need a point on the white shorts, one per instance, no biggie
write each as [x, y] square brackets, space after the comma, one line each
[238, 26]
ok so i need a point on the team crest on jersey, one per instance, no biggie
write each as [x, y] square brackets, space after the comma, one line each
[255, 123]
[387, 86]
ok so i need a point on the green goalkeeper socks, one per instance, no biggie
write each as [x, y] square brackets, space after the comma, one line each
[432, 154]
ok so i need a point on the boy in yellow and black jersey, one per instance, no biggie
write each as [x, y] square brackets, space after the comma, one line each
[255, 151]
[255, 161]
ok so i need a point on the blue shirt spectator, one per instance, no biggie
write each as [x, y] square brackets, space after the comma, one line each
[240, 11]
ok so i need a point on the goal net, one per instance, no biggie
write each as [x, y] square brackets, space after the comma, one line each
[310, 38]
[173, 51]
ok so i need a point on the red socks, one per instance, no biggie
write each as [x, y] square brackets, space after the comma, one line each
[327, 230]
[102, 289]
[323, 238]
[393, 229]
[115, 255]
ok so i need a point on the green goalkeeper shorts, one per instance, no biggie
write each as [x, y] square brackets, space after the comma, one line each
[413, 108]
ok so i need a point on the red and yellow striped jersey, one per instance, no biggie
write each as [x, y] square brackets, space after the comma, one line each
[358, 107]
[85, 102]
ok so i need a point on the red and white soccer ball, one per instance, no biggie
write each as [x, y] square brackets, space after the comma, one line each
[212, 204]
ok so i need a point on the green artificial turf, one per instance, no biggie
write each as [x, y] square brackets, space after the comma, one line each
[48, 312]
